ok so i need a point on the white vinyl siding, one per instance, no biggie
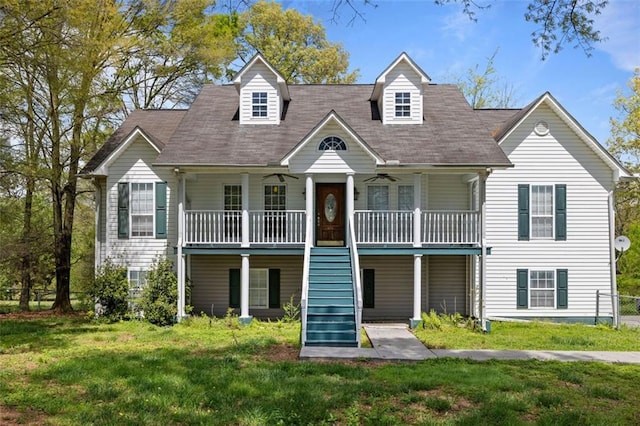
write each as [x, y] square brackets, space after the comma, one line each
[134, 166]
[259, 79]
[559, 156]
[402, 79]
[448, 192]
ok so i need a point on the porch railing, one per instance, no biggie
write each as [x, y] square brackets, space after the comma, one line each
[225, 227]
[270, 226]
[396, 227]
[451, 227]
[383, 227]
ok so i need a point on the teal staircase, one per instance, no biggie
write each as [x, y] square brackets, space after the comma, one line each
[331, 319]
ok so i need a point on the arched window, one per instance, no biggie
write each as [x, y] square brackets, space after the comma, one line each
[332, 143]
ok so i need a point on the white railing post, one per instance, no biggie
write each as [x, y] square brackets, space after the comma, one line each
[245, 211]
[417, 202]
[355, 273]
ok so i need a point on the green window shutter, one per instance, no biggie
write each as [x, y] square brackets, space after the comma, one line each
[274, 288]
[234, 288]
[123, 210]
[368, 288]
[561, 212]
[562, 281]
[161, 210]
[523, 212]
[523, 288]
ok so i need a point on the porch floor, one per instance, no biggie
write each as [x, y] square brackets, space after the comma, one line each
[395, 342]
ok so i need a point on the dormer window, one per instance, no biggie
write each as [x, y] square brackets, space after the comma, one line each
[259, 104]
[332, 143]
[403, 104]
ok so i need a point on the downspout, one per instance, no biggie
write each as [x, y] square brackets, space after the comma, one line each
[612, 259]
[98, 232]
[483, 248]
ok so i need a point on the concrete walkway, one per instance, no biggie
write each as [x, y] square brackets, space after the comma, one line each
[395, 342]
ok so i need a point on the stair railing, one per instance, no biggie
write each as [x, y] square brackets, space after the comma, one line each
[355, 273]
[304, 297]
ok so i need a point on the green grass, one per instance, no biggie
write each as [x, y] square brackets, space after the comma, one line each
[532, 336]
[71, 371]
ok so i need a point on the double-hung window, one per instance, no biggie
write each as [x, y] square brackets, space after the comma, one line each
[403, 104]
[259, 288]
[137, 281]
[542, 288]
[275, 204]
[259, 104]
[405, 197]
[142, 208]
[542, 212]
[232, 213]
[378, 197]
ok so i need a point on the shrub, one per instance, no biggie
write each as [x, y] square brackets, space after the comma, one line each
[160, 295]
[110, 291]
[291, 311]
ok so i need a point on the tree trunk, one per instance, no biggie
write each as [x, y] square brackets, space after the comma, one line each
[26, 278]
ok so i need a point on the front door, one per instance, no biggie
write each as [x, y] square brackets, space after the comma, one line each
[330, 212]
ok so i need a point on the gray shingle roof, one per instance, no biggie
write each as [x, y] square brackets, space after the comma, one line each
[452, 132]
[158, 125]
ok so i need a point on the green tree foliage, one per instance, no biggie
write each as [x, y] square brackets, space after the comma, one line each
[294, 44]
[625, 145]
[110, 291]
[485, 89]
[160, 295]
[629, 263]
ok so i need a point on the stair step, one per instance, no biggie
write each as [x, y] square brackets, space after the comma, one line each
[347, 292]
[328, 276]
[346, 266]
[332, 326]
[331, 310]
[319, 317]
[329, 250]
[337, 336]
[332, 344]
[331, 300]
[329, 285]
[343, 258]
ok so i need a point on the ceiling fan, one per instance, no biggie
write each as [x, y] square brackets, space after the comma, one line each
[382, 176]
[280, 176]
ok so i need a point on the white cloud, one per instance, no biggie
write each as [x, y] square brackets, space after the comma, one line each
[620, 24]
[458, 25]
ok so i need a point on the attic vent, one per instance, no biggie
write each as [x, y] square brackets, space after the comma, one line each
[332, 143]
[541, 128]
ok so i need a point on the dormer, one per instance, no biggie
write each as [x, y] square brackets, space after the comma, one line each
[263, 92]
[398, 92]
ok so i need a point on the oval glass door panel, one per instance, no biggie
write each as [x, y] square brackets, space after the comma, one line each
[330, 207]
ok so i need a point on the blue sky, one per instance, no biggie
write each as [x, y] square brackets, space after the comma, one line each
[445, 43]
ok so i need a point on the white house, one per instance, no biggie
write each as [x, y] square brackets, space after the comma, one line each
[362, 202]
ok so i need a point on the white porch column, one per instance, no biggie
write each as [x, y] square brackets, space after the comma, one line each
[245, 318]
[180, 265]
[417, 210]
[350, 195]
[245, 210]
[482, 187]
[309, 196]
[417, 290]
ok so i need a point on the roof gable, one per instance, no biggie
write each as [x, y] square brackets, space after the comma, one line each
[330, 118]
[258, 58]
[403, 58]
[547, 99]
[137, 132]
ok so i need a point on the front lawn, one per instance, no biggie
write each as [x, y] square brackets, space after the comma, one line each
[73, 371]
[531, 336]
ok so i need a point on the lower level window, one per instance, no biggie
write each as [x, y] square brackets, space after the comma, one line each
[542, 288]
[137, 281]
[259, 288]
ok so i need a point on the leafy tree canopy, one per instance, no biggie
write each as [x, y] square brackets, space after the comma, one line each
[294, 44]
